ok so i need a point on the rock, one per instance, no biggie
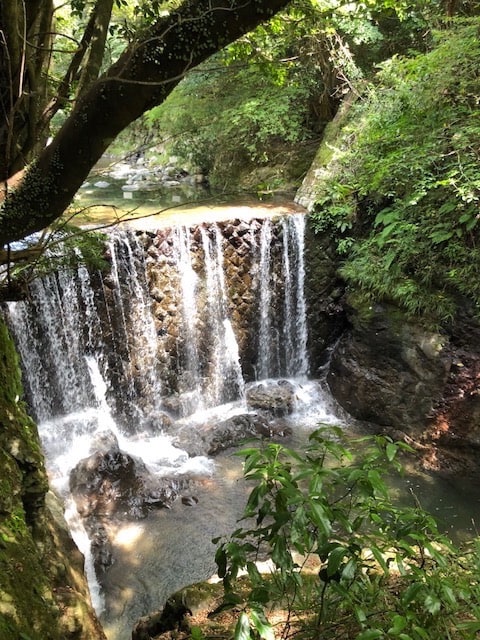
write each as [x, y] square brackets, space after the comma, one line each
[389, 371]
[231, 432]
[173, 617]
[276, 398]
[110, 483]
[214, 437]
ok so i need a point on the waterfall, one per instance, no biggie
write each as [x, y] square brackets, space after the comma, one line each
[135, 333]
[282, 336]
[165, 321]
[295, 333]
[180, 321]
[225, 376]
[266, 347]
[49, 332]
[188, 294]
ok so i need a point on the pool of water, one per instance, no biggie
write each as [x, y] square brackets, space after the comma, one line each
[173, 548]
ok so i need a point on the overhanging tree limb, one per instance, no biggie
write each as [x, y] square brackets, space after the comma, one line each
[142, 78]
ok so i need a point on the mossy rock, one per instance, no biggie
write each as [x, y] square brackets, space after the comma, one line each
[43, 591]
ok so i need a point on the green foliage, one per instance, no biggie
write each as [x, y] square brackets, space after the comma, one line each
[267, 96]
[381, 571]
[408, 181]
[64, 246]
[254, 118]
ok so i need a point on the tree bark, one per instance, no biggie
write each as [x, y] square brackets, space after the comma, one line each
[25, 35]
[101, 21]
[142, 78]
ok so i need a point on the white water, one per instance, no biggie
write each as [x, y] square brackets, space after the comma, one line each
[267, 355]
[225, 380]
[295, 324]
[90, 353]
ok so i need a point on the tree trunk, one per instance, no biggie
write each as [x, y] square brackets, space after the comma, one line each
[142, 78]
[101, 20]
[25, 36]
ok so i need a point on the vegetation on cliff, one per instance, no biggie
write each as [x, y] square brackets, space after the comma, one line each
[251, 117]
[402, 191]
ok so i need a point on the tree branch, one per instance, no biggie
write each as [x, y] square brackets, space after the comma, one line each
[142, 78]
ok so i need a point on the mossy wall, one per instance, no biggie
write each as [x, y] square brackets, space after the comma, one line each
[43, 593]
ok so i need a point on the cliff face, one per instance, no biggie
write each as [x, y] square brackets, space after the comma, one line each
[43, 592]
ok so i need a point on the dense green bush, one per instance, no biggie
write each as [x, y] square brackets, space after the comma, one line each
[403, 194]
[346, 562]
[226, 119]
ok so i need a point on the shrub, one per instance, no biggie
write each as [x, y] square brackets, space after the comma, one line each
[381, 571]
[406, 187]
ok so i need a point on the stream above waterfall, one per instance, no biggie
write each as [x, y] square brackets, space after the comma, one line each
[194, 339]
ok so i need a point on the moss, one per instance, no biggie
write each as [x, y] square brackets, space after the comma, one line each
[43, 594]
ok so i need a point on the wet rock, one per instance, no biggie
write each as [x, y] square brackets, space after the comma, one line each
[173, 617]
[110, 482]
[100, 546]
[156, 422]
[231, 432]
[214, 437]
[276, 398]
[389, 371]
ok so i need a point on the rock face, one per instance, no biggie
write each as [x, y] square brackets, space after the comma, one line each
[326, 317]
[388, 371]
[410, 382]
[454, 429]
[44, 591]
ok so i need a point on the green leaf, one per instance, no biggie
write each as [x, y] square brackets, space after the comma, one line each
[377, 554]
[399, 624]
[242, 628]
[348, 571]
[335, 559]
[320, 518]
[370, 634]
[432, 603]
[411, 592]
[376, 481]
[472, 626]
[391, 451]
[261, 625]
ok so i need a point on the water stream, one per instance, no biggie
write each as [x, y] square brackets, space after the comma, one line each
[160, 335]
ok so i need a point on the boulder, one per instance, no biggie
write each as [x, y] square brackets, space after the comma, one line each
[212, 438]
[110, 482]
[275, 398]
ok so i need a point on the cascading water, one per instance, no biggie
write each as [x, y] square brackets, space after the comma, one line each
[181, 321]
[267, 349]
[190, 385]
[282, 336]
[225, 376]
[295, 333]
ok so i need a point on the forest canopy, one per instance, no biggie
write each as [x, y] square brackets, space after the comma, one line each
[240, 90]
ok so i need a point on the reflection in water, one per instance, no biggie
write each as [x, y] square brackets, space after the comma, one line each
[454, 504]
